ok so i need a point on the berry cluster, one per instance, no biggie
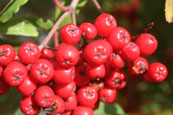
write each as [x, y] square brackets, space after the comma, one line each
[70, 80]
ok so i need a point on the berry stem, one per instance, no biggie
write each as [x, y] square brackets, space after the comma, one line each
[97, 6]
[56, 40]
[73, 16]
[60, 6]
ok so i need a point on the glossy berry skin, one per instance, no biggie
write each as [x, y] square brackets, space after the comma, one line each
[67, 55]
[28, 53]
[147, 44]
[87, 96]
[64, 75]
[107, 95]
[116, 79]
[138, 66]
[95, 71]
[116, 61]
[130, 51]
[44, 96]
[105, 24]
[27, 87]
[71, 102]
[1, 70]
[15, 73]
[58, 106]
[65, 91]
[28, 106]
[119, 38]
[42, 71]
[4, 87]
[97, 52]
[83, 110]
[46, 53]
[89, 31]
[157, 72]
[70, 34]
[7, 54]
[81, 77]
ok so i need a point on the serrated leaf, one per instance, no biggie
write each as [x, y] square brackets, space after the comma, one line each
[18, 26]
[169, 11]
[11, 8]
[109, 109]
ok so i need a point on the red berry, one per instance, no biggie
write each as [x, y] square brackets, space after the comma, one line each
[4, 87]
[46, 53]
[87, 96]
[108, 95]
[71, 102]
[64, 75]
[28, 53]
[27, 87]
[157, 72]
[7, 54]
[116, 79]
[95, 71]
[67, 113]
[65, 91]
[42, 71]
[44, 96]
[105, 24]
[81, 78]
[83, 110]
[138, 66]
[15, 73]
[28, 106]
[119, 38]
[70, 34]
[147, 44]
[1, 70]
[116, 61]
[89, 31]
[67, 55]
[97, 52]
[130, 51]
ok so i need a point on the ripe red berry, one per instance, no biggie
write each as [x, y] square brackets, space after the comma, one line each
[130, 51]
[67, 55]
[116, 61]
[83, 110]
[44, 96]
[87, 96]
[116, 79]
[119, 38]
[105, 24]
[157, 72]
[138, 66]
[4, 87]
[71, 102]
[64, 75]
[89, 31]
[97, 52]
[15, 73]
[46, 53]
[65, 91]
[67, 113]
[27, 87]
[107, 95]
[28, 53]
[81, 78]
[7, 54]
[1, 70]
[70, 34]
[42, 71]
[95, 71]
[147, 44]
[28, 106]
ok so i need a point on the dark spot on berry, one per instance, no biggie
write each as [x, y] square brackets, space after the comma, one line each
[2, 53]
[99, 54]
[17, 77]
[123, 37]
[103, 98]
[131, 44]
[30, 49]
[42, 71]
[72, 30]
[97, 79]
[112, 56]
[142, 67]
[67, 61]
[111, 22]
[117, 81]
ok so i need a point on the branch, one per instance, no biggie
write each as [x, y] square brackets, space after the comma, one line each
[60, 6]
[97, 6]
[56, 40]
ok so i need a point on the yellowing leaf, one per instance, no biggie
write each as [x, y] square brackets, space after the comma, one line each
[169, 11]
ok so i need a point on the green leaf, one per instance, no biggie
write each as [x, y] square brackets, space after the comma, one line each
[58, 12]
[67, 20]
[18, 26]
[169, 11]
[12, 7]
[81, 4]
[109, 109]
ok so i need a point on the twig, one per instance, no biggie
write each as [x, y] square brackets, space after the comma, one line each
[73, 16]
[56, 40]
[97, 6]
[60, 6]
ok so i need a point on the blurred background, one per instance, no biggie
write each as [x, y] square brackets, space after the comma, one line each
[134, 15]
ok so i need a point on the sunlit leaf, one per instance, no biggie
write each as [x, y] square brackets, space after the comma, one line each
[169, 11]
